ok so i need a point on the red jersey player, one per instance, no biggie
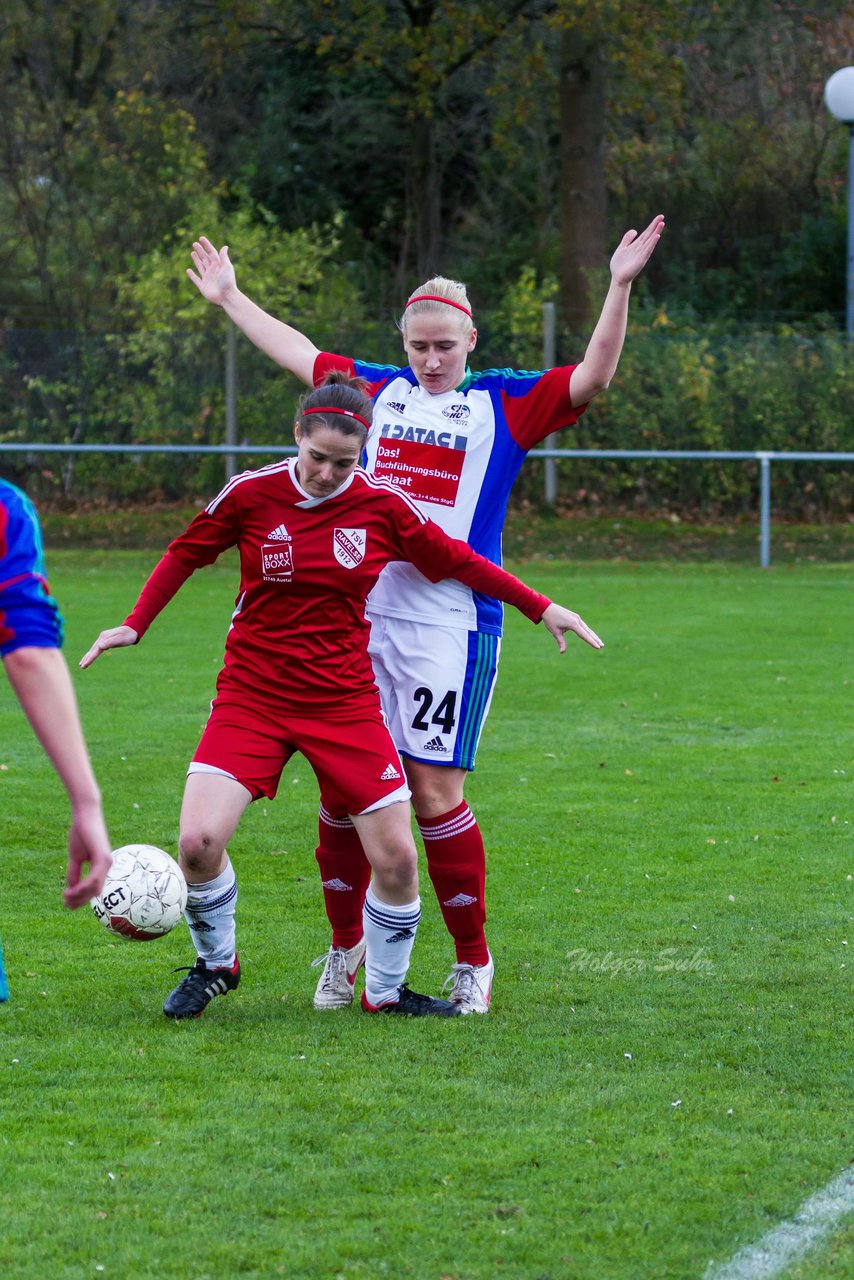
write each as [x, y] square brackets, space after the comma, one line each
[313, 533]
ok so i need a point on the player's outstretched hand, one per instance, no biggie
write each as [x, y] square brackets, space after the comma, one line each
[112, 638]
[634, 251]
[558, 621]
[214, 275]
[87, 842]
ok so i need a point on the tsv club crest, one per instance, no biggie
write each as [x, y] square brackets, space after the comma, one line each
[349, 546]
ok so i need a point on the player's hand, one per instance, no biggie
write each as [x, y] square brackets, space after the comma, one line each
[214, 275]
[87, 842]
[634, 251]
[112, 638]
[558, 621]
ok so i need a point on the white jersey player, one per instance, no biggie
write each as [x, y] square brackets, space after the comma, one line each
[454, 441]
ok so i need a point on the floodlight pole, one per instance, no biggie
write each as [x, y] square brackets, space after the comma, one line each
[839, 99]
[849, 312]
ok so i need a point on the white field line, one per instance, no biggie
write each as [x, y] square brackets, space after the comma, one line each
[788, 1242]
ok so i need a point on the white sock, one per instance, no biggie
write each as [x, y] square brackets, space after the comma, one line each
[210, 916]
[389, 937]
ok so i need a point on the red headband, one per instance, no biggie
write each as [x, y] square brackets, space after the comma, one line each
[434, 297]
[348, 413]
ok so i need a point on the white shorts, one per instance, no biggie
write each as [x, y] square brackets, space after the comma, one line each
[436, 685]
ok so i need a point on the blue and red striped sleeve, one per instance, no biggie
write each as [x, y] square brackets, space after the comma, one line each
[376, 375]
[537, 404]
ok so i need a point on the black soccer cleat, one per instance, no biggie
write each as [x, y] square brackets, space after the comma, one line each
[413, 1005]
[194, 993]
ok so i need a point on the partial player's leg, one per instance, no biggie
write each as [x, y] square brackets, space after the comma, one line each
[345, 874]
[391, 914]
[438, 687]
[213, 805]
[361, 773]
[456, 862]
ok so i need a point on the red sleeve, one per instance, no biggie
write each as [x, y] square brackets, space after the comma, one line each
[375, 375]
[199, 545]
[438, 556]
[168, 577]
[535, 405]
[325, 362]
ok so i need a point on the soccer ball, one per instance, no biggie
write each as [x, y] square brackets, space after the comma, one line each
[144, 894]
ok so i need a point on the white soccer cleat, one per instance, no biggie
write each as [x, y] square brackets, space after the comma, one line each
[335, 987]
[471, 986]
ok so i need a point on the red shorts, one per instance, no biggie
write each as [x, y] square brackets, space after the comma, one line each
[350, 751]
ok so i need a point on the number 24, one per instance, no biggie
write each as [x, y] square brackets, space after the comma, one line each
[444, 715]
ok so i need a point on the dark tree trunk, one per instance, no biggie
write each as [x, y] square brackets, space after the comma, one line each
[583, 242]
[424, 199]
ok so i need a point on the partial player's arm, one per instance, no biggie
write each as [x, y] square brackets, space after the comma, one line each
[201, 542]
[215, 280]
[606, 342]
[166, 579]
[42, 683]
[438, 556]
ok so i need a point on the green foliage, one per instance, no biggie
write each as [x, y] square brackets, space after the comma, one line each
[174, 331]
[515, 327]
[692, 387]
[161, 379]
[659, 1081]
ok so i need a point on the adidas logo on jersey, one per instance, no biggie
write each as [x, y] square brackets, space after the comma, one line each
[388, 773]
[460, 900]
[279, 534]
[396, 406]
[338, 885]
[435, 744]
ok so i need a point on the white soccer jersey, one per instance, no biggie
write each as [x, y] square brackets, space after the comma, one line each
[457, 456]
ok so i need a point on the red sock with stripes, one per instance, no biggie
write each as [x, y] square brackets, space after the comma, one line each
[345, 873]
[456, 861]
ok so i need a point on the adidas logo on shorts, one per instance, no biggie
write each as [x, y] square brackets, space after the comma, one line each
[388, 773]
[435, 744]
[460, 900]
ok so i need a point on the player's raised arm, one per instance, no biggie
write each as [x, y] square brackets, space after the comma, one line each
[606, 342]
[215, 279]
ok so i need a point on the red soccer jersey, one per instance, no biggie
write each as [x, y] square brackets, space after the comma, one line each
[307, 564]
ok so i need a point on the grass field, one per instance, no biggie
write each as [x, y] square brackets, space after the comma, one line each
[666, 1071]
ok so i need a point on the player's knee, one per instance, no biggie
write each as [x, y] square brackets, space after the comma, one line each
[433, 796]
[200, 852]
[397, 869]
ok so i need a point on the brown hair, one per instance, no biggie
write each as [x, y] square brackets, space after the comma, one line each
[339, 402]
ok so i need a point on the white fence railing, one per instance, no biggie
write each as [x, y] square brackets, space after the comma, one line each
[764, 457]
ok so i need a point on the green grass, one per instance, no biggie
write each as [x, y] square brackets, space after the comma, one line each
[530, 532]
[670, 826]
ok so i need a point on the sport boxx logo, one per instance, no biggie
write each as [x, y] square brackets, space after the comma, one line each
[277, 557]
